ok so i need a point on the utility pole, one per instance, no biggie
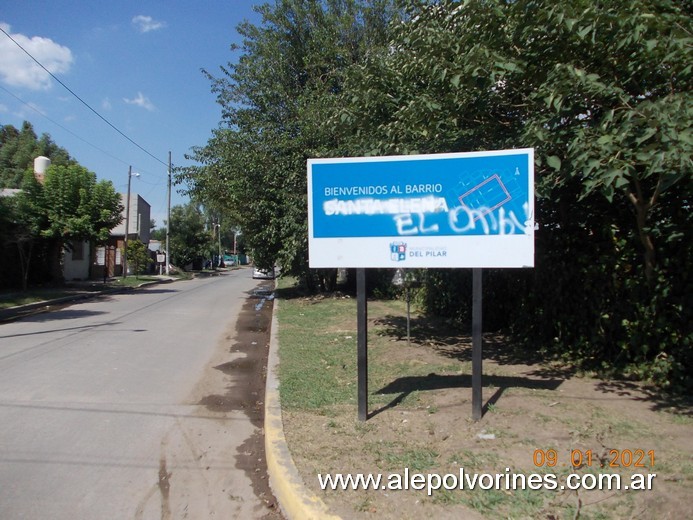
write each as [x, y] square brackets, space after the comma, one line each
[168, 217]
[127, 223]
[217, 226]
[221, 258]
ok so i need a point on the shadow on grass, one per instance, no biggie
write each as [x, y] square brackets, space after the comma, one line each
[406, 385]
[290, 293]
[454, 344]
[296, 292]
[439, 335]
[659, 401]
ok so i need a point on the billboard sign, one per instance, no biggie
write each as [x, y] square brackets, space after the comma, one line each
[442, 210]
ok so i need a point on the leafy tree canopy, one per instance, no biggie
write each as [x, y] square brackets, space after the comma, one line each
[69, 206]
[602, 91]
[138, 256]
[19, 148]
[189, 239]
[76, 206]
[289, 69]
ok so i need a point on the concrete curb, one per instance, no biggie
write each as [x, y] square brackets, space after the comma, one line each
[295, 500]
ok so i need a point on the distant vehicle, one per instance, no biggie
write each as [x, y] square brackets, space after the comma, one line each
[263, 274]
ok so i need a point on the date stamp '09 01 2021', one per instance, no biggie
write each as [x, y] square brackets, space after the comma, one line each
[637, 458]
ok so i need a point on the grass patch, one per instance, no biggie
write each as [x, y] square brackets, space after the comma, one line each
[419, 396]
[15, 299]
[684, 420]
[318, 364]
[11, 299]
[475, 459]
[416, 459]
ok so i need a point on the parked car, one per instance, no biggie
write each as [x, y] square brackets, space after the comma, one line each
[263, 274]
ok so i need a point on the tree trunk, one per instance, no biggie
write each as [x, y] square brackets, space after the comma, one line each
[642, 207]
[646, 240]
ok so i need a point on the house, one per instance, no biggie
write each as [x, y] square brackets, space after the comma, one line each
[80, 260]
[107, 260]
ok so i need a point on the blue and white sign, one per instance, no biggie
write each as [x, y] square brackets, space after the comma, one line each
[444, 210]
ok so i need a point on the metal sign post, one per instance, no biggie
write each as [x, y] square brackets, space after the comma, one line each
[362, 340]
[476, 344]
[408, 315]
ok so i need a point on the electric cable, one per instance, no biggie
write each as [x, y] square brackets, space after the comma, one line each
[82, 101]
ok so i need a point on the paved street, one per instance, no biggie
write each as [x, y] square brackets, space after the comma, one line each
[107, 408]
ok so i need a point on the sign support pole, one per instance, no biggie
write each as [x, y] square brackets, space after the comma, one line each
[362, 332]
[408, 315]
[476, 344]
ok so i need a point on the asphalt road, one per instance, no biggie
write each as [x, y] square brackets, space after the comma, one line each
[101, 414]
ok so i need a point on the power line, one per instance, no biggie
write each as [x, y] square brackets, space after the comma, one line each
[105, 152]
[39, 112]
[82, 101]
[153, 185]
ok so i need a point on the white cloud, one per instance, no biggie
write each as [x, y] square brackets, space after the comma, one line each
[19, 70]
[106, 104]
[145, 24]
[141, 101]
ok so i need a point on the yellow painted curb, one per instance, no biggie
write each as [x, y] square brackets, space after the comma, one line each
[295, 500]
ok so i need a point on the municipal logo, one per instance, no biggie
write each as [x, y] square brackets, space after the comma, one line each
[398, 251]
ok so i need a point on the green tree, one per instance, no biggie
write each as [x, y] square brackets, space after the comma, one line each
[138, 256]
[603, 92]
[188, 238]
[158, 234]
[70, 206]
[19, 148]
[291, 67]
[25, 219]
[17, 243]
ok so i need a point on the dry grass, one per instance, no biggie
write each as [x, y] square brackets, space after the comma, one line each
[420, 408]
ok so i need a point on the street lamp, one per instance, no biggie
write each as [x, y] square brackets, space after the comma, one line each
[131, 174]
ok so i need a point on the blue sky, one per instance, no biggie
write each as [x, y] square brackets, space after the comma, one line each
[138, 64]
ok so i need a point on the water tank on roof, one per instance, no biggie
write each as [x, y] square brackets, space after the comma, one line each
[41, 164]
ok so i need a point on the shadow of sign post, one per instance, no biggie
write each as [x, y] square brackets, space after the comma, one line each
[457, 210]
[404, 386]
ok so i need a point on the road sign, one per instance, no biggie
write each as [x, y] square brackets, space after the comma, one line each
[443, 210]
